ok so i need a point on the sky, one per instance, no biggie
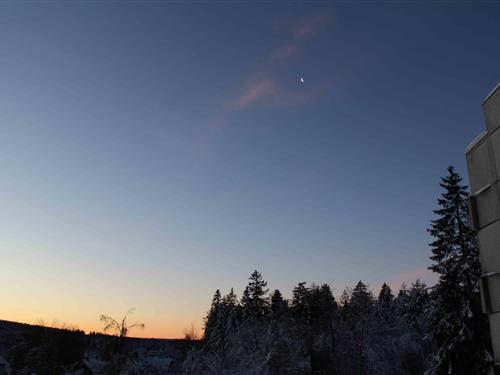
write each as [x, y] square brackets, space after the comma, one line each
[153, 152]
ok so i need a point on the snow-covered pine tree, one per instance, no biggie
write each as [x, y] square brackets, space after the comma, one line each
[385, 305]
[417, 305]
[385, 296]
[361, 299]
[458, 327]
[279, 306]
[220, 325]
[322, 306]
[403, 291]
[344, 300]
[211, 318]
[402, 300]
[255, 302]
[246, 304]
[299, 308]
[230, 313]
[322, 311]
[360, 310]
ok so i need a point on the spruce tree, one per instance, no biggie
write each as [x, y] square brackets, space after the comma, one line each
[361, 299]
[211, 318]
[299, 308]
[417, 306]
[221, 323]
[279, 305]
[255, 302]
[402, 300]
[344, 300]
[231, 309]
[321, 306]
[385, 297]
[458, 327]
[385, 306]
[322, 311]
[230, 299]
[227, 316]
[360, 309]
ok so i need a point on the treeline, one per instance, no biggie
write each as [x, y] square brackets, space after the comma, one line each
[434, 330]
[46, 350]
[314, 333]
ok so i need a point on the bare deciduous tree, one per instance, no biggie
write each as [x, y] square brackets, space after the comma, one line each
[121, 329]
[191, 333]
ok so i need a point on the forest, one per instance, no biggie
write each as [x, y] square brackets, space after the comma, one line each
[437, 329]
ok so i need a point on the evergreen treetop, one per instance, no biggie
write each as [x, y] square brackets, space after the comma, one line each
[458, 327]
[255, 302]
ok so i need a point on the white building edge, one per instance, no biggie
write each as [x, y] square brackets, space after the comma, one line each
[483, 163]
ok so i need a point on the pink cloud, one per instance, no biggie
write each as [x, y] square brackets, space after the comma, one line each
[253, 93]
[304, 30]
[285, 51]
[300, 33]
[311, 25]
[265, 87]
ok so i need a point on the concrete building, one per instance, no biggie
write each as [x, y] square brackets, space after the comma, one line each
[483, 162]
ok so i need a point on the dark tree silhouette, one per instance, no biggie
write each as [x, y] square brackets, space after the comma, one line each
[458, 327]
[255, 302]
[120, 329]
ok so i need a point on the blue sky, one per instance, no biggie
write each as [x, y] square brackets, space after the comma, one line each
[153, 152]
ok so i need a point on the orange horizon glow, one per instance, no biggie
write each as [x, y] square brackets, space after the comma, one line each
[162, 320]
[152, 331]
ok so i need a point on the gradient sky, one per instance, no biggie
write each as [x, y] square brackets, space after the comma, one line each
[151, 153]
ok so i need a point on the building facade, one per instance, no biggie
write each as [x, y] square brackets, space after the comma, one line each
[483, 162]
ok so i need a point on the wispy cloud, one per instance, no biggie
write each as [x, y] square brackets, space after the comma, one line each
[312, 25]
[285, 51]
[253, 93]
[300, 33]
[262, 87]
